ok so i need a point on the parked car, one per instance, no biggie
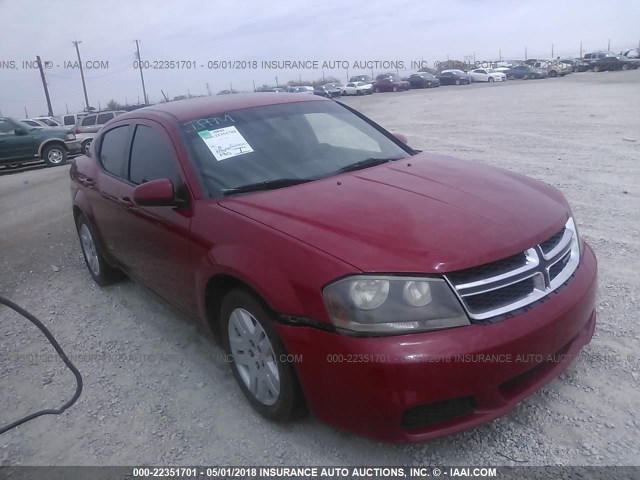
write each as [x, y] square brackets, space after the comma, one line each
[631, 53]
[328, 90]
[34, 123]
[20, 142]
[454, 77]
[608, 62]
[575, 64]
[301, 89]
[275, 90]
[87, 125]
[487, 75]
[48, 121]
[423, 80]
[320, 270]
[553, 68]
[391, 83]
[526, 72]
[361, 78]
[357, 88]
[70, 119]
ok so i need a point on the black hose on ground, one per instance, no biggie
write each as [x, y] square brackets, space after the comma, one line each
[63, 356]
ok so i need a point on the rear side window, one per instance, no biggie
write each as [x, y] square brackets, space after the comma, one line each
[113, 150]
[88, 120]
[151, 157]
[104, 118]
[69, 120]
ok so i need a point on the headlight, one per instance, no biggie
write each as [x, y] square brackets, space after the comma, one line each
[571, 225]
[385, 304]
[69, 136]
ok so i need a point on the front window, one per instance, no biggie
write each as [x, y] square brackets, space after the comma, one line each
[292, 142]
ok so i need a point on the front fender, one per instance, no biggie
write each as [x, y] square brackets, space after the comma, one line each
[252, 267]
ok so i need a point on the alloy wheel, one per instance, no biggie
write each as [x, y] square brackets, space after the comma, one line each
[254, 357]
[89, 249]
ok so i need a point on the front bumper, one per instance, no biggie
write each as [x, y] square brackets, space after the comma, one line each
[73, 146]
[371, 385]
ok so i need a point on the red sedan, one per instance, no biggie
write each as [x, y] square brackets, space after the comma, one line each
[390, 83]
[396, 294]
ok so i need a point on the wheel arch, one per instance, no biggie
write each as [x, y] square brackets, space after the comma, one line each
[50, 141]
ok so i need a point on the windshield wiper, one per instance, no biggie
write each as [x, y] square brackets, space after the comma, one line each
[266, 185]
[368, 162]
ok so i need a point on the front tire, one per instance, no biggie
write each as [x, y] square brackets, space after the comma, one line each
[101, 272]
[54, 155]
[596, 68]
[258, 358]
[85, 146]
[491, 80]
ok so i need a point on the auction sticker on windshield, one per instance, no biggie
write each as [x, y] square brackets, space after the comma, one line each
[225, 142]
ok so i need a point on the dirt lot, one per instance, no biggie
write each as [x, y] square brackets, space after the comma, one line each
[156, 394]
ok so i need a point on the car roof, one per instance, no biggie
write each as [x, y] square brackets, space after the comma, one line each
[188, 109]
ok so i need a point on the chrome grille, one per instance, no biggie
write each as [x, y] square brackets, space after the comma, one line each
[501, 287]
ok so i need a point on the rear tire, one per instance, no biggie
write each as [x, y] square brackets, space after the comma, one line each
[491, 80]
[596, 68]
[625, 67]
[101, 272]
[54, 155]
[395, 88]
[256, 356]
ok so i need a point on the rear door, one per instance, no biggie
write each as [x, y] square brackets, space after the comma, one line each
[156, 240]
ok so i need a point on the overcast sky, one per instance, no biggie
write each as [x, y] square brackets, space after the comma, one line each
[200, 31]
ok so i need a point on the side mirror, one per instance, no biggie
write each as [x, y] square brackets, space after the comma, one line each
[156, 193]
[402, 138]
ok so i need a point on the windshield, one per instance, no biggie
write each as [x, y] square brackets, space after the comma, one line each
[292, 141]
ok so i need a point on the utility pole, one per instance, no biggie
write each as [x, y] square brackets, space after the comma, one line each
[277, 82]
[84, 85]
[580, 49]
[552, 57]
[525, 53]
[144, 90]
[208, 88]
[164, 95]
[26, 114]
[500, 54]
[67, 107]
[44, 84]
[609, 46]
[300, 77]
[254, 85]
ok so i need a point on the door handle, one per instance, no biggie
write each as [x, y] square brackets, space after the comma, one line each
[126, 202]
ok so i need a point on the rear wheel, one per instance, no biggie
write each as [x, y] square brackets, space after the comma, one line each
[457, 82]
[596, 68]
[553, 73]
[625, 67]
[101, 272]
[395, 88]
[86, 145]
[258, 358]
[491, 80]
[55, 154]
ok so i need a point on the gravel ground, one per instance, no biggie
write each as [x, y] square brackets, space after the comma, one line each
[155, 392]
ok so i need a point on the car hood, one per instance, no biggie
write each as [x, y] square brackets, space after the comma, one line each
[52, 131]
[426, 213]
